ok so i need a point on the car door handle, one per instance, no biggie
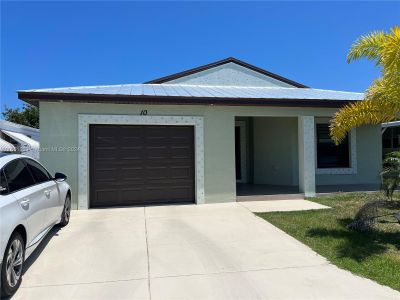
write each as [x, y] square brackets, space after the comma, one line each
[47, 193]
[25, 203]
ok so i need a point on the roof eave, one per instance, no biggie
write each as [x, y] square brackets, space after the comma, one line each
[34, 98]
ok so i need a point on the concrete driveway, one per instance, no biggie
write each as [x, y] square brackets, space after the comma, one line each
[215, 251]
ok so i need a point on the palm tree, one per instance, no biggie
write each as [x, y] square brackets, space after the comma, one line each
[382, 98]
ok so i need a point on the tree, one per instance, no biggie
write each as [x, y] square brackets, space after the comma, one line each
[382, 98]
[391, 174]
[29, 115]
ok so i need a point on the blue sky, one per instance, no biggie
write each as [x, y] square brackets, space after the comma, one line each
[56, 44]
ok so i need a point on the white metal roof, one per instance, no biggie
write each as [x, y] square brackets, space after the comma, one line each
[6, 146]
[23, 139]
[181, 90]
[7, 125]
[391, 124]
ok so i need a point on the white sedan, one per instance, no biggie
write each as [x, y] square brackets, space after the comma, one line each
[31, 203]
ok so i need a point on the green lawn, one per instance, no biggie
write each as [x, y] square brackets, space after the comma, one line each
[375, 255]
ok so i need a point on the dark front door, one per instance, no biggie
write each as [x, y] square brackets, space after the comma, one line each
[238, 154]
[140, 165]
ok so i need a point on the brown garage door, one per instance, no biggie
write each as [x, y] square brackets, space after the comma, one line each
[139, 165]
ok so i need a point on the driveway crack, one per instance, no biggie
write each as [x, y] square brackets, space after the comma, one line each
[148, 256]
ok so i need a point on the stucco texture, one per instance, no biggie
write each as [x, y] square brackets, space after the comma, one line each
[275, 143]
[230, 74]
[275, 151]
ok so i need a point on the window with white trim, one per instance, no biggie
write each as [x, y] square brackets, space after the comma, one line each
[329, 155]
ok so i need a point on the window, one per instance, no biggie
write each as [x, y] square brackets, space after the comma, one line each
[387, 138]
[328, 154]
[3, 183]
[396, 135]
[38, 171]
[17, 175]
[391, 138]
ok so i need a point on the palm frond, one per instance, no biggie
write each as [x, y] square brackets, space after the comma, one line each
[368, 46]
[384, 89]
[382, 98]
[390, 54]
[361, 113]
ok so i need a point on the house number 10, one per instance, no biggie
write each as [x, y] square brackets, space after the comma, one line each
[143, 112]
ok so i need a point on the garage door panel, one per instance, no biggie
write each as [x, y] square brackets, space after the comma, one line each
[105, 174]
[179, 138]
[105, 141]
[131, 140]
[181, 173]
[106, 153]
[139, 165]
[181, 152]
[130, 153]
[127, 196]
[158, 152]
[155, 140]
[157, 172]
[134, 173]
[173, 194]
[117, 185]
[103, 196]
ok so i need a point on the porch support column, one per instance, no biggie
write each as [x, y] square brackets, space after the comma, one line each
[306, 155]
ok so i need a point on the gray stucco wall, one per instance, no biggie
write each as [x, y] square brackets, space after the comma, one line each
[276, 154]
[59, 123]
[230, 74]
[275, 151]
[59, 128]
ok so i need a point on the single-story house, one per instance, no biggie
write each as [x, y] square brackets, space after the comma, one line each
[209, 134]
[17, 138]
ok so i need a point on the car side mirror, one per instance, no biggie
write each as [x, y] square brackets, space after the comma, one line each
[60, 177]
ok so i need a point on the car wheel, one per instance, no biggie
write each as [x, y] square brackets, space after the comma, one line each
[66, 213]
[11, 269]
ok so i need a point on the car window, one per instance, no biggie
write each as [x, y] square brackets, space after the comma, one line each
[38, 171]
[3, 183]
[17, 175]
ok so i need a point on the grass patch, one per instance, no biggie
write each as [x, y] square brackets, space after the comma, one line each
[374, 255]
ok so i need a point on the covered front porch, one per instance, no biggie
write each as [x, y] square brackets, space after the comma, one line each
[292, 158]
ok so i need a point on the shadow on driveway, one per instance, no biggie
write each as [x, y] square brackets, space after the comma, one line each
[39, 249]
[36, 253]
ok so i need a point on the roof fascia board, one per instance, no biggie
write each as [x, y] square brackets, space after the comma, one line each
[34, 97]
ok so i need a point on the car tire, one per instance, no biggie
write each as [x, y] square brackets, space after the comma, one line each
[66, 213]
[12, 266]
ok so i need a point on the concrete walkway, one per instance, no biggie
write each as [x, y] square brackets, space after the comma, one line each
[282, 205]
[214, 251]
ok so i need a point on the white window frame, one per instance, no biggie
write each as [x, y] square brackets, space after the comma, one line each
[352, 153]
[85, 120]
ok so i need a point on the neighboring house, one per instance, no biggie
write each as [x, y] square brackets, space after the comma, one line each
[16, 138]
[390, 137]
[205, 135]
